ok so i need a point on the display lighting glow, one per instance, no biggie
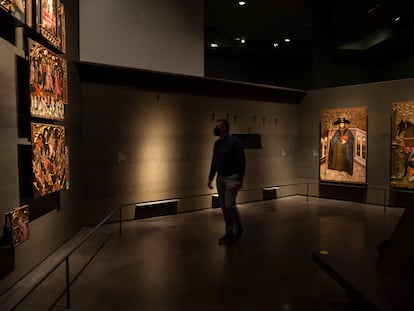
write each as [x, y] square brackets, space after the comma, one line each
[214, 45]
[287, 39]
[242, 3]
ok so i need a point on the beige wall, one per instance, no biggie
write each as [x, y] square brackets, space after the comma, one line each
[166, 142]
[166, 36]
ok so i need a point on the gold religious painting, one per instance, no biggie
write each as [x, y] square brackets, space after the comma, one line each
[402, 145]
[49, 159]
[19, 224]
[5, 5]
[51, 22]
[343, 145]
[17, 8]
[48, 83]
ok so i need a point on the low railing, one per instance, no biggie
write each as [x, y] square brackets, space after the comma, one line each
[306, 193]
[11, 300]
[386, 192]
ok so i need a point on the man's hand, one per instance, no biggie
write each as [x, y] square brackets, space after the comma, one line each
[209, 185]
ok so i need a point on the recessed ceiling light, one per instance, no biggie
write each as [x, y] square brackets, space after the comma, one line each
[243, 40]
[287, 39]
[242, 3]
[397, 19]
[214, 45]
[275, 44]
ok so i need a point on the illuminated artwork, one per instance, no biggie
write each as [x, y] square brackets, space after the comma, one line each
[51, 22]
[343, 145]
[48, 83]
[402, 157]
[19, 224]
[17, 8]
[49, 158]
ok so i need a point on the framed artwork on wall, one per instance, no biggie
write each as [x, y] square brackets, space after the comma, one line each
[49, 159]
[17, 8]
[343, 145]
[402, 145]
[18, 219]
[48, 83]
[50, 21]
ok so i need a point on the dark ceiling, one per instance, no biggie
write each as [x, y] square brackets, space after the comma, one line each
[352, 32]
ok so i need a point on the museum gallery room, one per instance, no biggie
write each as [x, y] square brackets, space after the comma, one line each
[135, 133]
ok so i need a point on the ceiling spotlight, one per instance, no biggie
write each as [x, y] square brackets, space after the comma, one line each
[243, 40]
[214, 45]
[242, 3]
[287, 39]
[275, 44]
[397, 19]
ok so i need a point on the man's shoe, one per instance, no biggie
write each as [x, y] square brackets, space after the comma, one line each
[239, 234]
[227, 238]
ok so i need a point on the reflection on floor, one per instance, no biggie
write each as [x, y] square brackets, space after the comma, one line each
[173, 263]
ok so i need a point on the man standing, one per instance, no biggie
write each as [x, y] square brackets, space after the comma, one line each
[229, 163]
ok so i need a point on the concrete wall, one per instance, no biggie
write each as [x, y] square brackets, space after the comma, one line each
[145, 146]
[166, 36]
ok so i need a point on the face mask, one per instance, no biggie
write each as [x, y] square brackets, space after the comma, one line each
[216, 131]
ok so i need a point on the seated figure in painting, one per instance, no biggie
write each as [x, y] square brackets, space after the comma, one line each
[341, 149]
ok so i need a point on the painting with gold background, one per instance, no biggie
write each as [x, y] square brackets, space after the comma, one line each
[18, 219]
[51, 22]
[48, 83]
[343, 145]
[50, 161]
[17, 8]
[402, 145]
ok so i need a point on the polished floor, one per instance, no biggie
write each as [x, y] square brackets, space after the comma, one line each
[173, 263]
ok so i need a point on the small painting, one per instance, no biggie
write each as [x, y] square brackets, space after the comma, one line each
[19, 223]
